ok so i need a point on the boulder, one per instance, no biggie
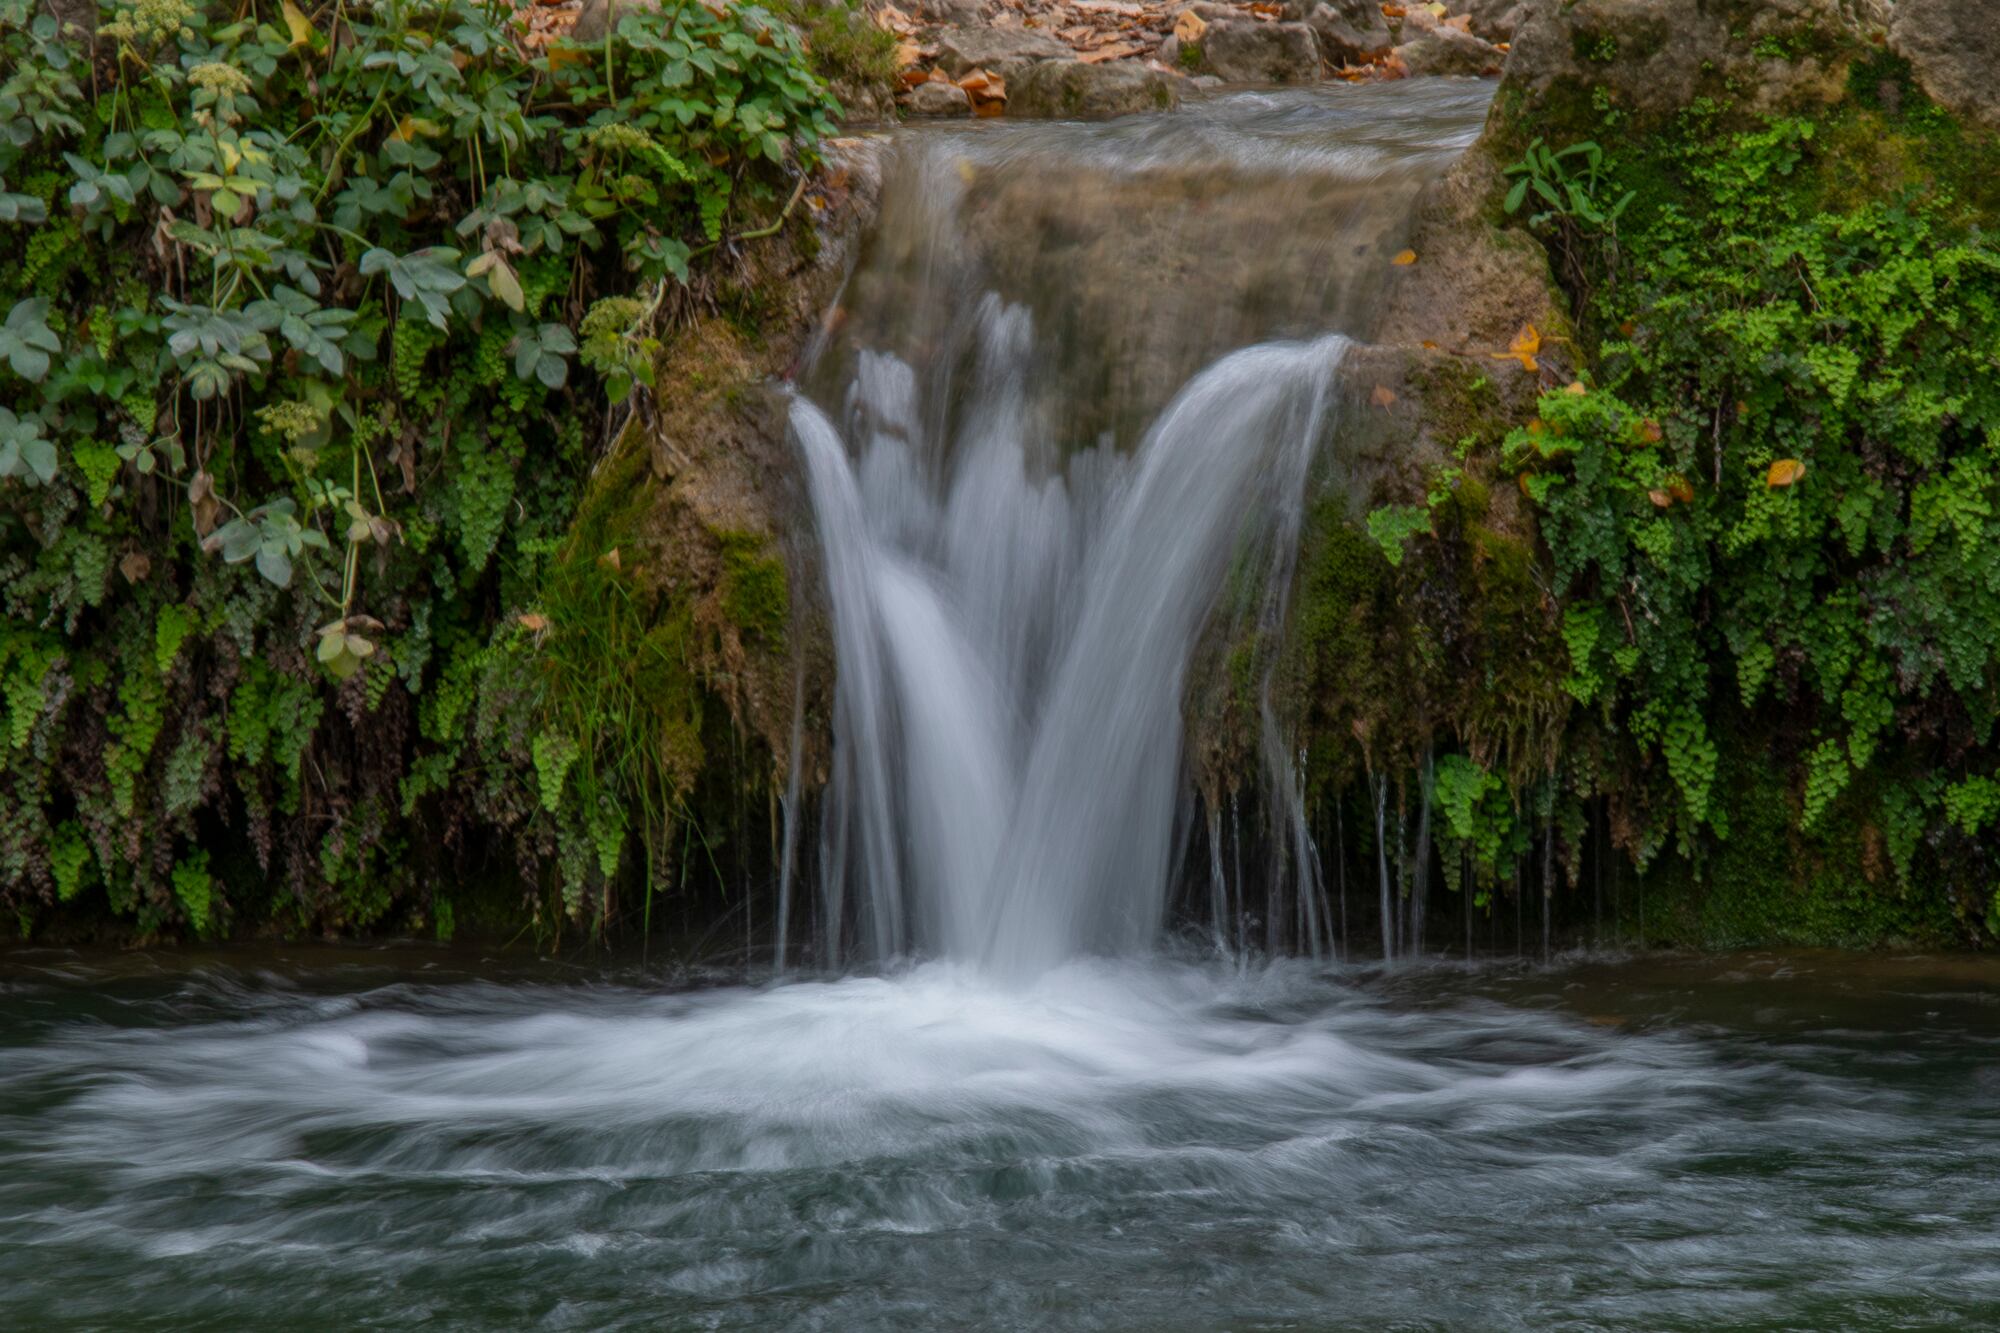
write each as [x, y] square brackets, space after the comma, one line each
[1072, 89]
[1350, 32]
[1495, 20]
[1953, 47]
[937, 98]
[1449, 51]
[964, 13]
[1652, 58]
[1244, 51]
[1002, 51]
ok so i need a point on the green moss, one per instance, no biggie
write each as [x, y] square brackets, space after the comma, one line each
[755, 591]
[1768, 884]
[842, 44]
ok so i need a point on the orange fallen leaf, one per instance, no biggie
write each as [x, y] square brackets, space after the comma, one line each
[1523, 349]
[611, 559]
[1650, 432]
[1103, 54]
[1678, 487]
[992, 106]
[534, 621]
[1627, 329]
[1785, 472]
[1405, 259]
[1382, 397]
[1428, 345]
[907, 54]
[912, 77]
[1189, 27]
[1660, 499]
[973, 80]
[1575, 389]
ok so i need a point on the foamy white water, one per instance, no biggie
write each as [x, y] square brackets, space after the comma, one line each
[1112, 1144]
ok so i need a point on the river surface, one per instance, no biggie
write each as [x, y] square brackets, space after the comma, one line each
[413, 1138]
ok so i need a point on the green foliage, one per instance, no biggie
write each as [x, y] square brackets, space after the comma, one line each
[1566, 186]
[1477, 811]
[1395, 526]
[1780, 490]
[305, 341]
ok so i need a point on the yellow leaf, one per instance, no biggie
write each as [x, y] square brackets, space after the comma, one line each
[1382, 397]
[561, 56]
[500, 280]
[1526, 343]
[297, 24]
[1405, 259]
[531, 620]
[1680, 489]
[1785, 472]
[1428, 345]
[1575, 389]
[413, 127]
[907, 54]
[1189, 27]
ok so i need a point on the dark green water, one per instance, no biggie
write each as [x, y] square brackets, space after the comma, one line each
[422, 1140]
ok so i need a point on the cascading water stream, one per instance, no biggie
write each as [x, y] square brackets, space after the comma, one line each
[1013, 647]
[1024, 519]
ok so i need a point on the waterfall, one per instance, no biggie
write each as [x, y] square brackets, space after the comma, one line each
[1013, 645]
[1075, 391]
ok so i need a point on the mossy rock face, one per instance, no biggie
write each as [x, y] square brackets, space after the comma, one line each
[1954, 47]
[1651, 59]
[1767, 883]
[693, 541]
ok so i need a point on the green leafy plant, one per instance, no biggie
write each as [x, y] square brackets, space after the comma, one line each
[293, 298]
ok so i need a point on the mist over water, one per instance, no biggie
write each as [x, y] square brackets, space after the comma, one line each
[1123, 1145]
[1032, 471]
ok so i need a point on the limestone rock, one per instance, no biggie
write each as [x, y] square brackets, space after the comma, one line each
[935, 98]
[1495, 20]
[1350, 32]
[1070, 88]
[1002, 51]
[1244, 51]
[1655, 57]
[1449, 51]
[1953, 47]
[964, 13]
